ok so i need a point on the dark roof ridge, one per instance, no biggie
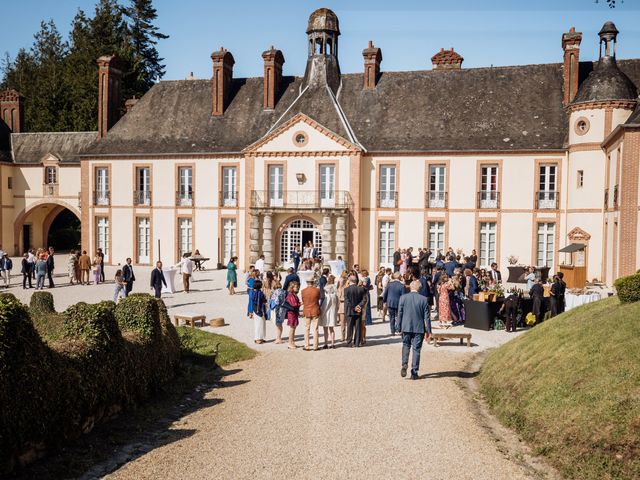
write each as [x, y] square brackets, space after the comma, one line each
[55, 133]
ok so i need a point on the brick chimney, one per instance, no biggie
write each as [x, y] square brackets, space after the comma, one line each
[571, 65]
[222, 75]
[273, 61]
[109, 93]
[372, 58]
[129, 104]
[12, 110]
[447, 60]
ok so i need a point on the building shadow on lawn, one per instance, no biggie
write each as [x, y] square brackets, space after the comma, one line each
[137, 431]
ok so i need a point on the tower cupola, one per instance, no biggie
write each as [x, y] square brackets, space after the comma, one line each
[323, 68]
[608, 35]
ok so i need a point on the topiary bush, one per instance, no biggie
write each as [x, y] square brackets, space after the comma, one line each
[41, 303]
[94, 324]
[138, 313]
[628, 288]
[7, 295]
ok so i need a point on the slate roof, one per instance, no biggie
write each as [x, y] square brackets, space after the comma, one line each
[475, 109]
[606, 82]
[33, 147]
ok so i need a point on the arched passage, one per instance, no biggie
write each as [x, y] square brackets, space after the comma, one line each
[44, 224]
[295, 233]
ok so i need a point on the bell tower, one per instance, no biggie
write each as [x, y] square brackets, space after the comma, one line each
[322, 41]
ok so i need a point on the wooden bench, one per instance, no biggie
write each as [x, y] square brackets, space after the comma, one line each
[190, 318]
[438, 337]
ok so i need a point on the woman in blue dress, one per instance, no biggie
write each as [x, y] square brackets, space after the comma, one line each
[232, 276]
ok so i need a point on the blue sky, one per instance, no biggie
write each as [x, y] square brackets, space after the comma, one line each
[409, 32]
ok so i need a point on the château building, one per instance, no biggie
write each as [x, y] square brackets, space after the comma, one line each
[520, 160]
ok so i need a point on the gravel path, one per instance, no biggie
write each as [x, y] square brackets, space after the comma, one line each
[335, 414]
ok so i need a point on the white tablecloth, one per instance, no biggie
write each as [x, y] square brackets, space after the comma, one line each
[572, 301]
[169, 276]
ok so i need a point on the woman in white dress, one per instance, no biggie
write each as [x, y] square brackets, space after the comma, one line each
[329, 314]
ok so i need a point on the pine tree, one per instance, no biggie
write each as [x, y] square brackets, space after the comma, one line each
[147, 65]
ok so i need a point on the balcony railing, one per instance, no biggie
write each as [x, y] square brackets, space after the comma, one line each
[50, 189]
[101, 197]
[228, 198]
[436, 199]
[489, 199]
[184, 199]
[387, 199]
[606, 198]
[547, 200]
[615, 196]
[142, 197]
[301, 199]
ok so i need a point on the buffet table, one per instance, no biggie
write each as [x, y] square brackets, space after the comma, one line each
[481, 315]
[572, 301]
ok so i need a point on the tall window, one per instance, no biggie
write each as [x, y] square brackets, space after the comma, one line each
[185, 236]
[546, 241]
[387, 242]
[102, 235]
[487, 243]
[229, 187]
[229, 236]
[276, 185]
[143, 186]
[51, 176]
[437, 195]
[489, 187]
[185, 186]
[387, 187]
[547, 194]
[102, 186]
[144, 240]
[436, 236]
[327, 185]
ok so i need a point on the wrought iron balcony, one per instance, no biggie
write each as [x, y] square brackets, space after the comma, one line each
[184, 199]
[489, 199]
[228, 198]
[301, 199]
[387, 199]
[101, 197]
[50, 189]
[142, 197]
[436, 199]
[547, 200]
[615, 196]
[606, 198]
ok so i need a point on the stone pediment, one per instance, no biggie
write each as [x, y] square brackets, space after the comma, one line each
[578, 234]
[301, 135]
[50, 159]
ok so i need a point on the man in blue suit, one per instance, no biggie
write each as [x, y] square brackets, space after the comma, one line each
[157, 280]
[415, 325]
[391, 298]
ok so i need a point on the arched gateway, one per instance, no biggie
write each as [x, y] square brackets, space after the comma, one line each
[297, 234]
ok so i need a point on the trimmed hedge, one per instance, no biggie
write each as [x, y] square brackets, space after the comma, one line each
[41, 302]
[628, 288]
[53, 393]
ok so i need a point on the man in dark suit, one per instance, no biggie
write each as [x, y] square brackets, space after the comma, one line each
[157, 279]
[292, 276]
[391, 298]
[100, 254]
[314, 252]
[324, 278]
[355, 300]
[128, 276]
[396, 260]
[450, 266]
[295, 256]
[561, 292]
[415, 324]
[423, 260]
[495, 273]
[50, 266]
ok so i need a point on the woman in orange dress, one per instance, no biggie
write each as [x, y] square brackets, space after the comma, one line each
[444, 309]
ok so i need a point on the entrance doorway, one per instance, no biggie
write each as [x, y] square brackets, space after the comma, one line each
[297, 234]
[64, 232]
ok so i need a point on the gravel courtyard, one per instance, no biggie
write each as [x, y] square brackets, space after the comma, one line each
[343, 413]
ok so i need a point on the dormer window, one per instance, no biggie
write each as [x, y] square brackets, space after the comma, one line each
[51, 175]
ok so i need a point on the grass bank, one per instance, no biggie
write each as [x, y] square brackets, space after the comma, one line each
[571, 388]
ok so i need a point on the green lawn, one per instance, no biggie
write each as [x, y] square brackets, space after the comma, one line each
[199, 345]
[571, 388]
